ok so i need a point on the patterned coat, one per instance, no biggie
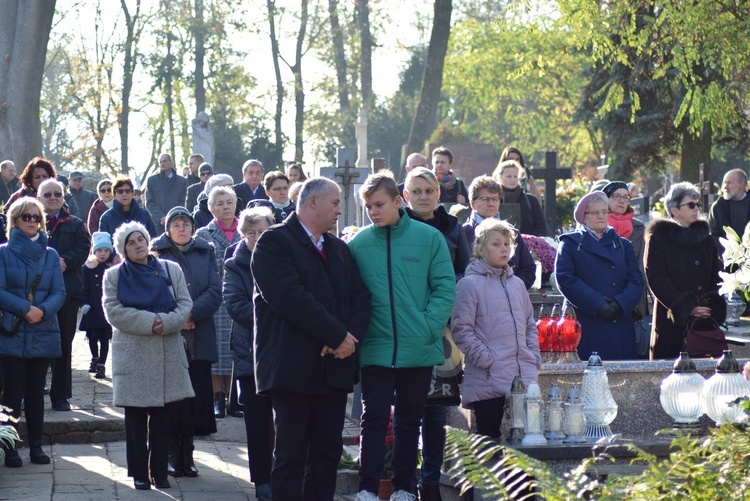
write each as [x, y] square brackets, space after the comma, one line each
[222, 320]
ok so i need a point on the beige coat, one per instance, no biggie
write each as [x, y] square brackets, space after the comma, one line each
[148, 370]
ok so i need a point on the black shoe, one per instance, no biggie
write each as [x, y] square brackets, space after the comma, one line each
[161, 483]
[94, 363]
[174, 461]
[188, 465]
[235, 413]
[12, 459]
[142, 484]
[220, 405]
[61, 405]
[100, 371]
[37, 455]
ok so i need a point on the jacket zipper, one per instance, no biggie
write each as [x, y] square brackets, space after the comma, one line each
[515, 327]
[390, 296]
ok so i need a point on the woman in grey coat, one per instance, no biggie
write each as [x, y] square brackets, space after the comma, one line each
[222, 233]
[146, 300]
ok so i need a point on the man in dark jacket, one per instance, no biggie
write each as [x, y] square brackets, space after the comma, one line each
[84, 198]
[251, 188]
[311, 309]
[205, 171]
[484, 198]
[68, 236]
[10, 182]
[733, 209]
[165, 191]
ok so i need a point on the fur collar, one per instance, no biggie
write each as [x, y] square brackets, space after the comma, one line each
[672, 231]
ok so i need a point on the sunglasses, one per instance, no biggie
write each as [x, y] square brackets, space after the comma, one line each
[691, 205]
[206, 173]
[123, 191]
[105, 190]
[51, 194]
[31, 217]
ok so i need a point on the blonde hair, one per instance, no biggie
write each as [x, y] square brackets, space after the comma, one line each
[255, 215]
[497, 174]
[484, 230]
[19, 207]
[220, 190]
[425, 174]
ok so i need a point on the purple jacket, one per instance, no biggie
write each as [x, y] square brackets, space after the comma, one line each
[493, 325]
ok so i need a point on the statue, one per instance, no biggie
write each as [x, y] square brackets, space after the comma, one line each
[361, 133]
[203, 137]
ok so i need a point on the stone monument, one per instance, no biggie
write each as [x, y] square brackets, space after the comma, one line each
[203, 137]
[348, 178]
[361, 133]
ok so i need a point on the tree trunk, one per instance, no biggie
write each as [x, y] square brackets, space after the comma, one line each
[696, 150]
[432, 79]
[200, 53]
[339, 56]
[299, 91]
[168, 97]
[363, 20]
[22, 58]
[128, 69]
[278, 136]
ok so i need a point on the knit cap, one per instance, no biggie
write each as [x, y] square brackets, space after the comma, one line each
[101, 240]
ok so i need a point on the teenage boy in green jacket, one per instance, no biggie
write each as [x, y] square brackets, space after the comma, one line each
[407, 268]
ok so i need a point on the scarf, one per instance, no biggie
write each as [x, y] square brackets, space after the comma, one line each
[623, 225]
[145, 286]
[228, 231]
[597, 236]
[449, 180]
[513, 195]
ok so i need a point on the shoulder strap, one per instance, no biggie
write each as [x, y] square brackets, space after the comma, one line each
[169, 275]
[37, 279]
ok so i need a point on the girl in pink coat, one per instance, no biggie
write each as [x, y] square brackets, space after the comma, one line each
[493, 325]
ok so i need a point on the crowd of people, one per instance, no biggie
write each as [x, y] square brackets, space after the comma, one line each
[208, 290]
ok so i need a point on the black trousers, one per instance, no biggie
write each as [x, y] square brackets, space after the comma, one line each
[147, 441]
[259, 429]
[24, 380]
[62, 378]
[308, 444]
[379, 384]
[489, 416]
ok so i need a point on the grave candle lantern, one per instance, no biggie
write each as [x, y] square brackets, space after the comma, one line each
[534, 417]
[554, 434]
[517, 414]
[680, 395]
[598, 405]
[723, 388]
[574, 422]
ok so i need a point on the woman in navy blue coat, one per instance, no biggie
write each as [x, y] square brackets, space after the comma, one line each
[238, 298]
[125, 209]
[597, 272]
[24, 355]
[196, 257]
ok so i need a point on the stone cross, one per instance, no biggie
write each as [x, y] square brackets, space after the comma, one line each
[347, 177]
[551, 173]
[361, 132]
[203, 137]
[706, 188]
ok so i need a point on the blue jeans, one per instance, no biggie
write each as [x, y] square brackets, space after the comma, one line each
[379, 384]
[433, 442]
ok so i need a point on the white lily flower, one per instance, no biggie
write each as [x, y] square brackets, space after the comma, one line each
[734, 252]
[729, 283]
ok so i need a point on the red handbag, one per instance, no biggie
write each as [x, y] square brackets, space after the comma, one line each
[704, 338]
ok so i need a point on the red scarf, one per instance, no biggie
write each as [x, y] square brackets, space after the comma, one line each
[623, 225]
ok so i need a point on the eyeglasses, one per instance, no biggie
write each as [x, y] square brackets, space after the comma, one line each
[206, 173]
[599, 213]
[51, 194]
[180, 226]
[31, 217]
[489, 199]
[691, 205]
[619, 198]
[105, 190]
[124, 191]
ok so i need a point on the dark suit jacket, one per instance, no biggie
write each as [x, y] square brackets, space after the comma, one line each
[191, 199]
[303, 302]
[246, 193]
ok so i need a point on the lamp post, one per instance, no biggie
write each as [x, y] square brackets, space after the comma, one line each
[680, 395]
[722, 389]
[598, 405]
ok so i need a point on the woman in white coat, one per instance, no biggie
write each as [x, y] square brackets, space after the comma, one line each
[147, 302]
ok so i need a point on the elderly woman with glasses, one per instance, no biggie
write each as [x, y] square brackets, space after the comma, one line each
[597, 272]
[125, 209]
[682, 269]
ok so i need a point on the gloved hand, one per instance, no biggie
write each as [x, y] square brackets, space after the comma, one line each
[610, 310]
[85, 309]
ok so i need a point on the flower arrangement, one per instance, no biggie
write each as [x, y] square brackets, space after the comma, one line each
[544, 249]
[349, 232]
[737, 260]
[568, 193]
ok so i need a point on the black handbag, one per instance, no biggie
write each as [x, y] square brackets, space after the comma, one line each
[10, 322]
[704, 338]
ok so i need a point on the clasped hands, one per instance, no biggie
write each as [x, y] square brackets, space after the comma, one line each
[344, 350]
[610, 310]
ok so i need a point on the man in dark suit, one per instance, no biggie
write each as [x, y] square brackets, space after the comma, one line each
[252, 187]
[10, 182]
[164, 191]
[205, 171]
[311, 310]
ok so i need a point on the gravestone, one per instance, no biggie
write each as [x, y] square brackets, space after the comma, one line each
[203, 137]
[361, 133]
[550, 174]
[469, 159]
[708, 197]
[347, 177]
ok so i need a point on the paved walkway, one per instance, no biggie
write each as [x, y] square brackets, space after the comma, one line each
[88, 453]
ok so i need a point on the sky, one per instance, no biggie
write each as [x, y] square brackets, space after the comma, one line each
[399, 21]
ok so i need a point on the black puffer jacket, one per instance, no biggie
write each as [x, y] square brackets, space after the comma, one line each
[682, 269]
[449, 226]
[198, 263]
[238, 298]
[72, 241]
